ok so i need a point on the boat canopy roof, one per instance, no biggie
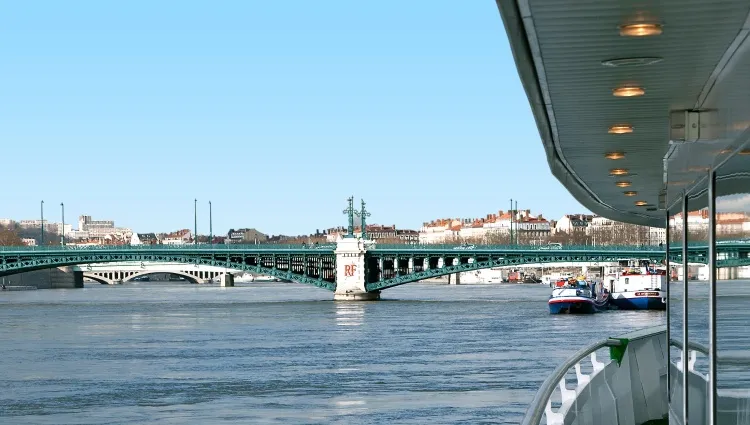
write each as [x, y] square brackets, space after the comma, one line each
[636, 101]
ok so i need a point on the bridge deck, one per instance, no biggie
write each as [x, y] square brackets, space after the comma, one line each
[385, 266]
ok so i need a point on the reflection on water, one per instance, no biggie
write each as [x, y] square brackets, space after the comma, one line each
[350, 406]
[349, 314]
[283, 353]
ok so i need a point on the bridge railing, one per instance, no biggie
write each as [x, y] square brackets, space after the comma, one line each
[545, 248]
[182, 248]
[376, 246]
[675, 248]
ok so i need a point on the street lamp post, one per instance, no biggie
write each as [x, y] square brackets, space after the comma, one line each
[195, 212]
[210, 224]
[42, 240]
[62, 231]
[516, 210]
[511, 221]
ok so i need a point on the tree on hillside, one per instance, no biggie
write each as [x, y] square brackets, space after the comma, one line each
[35, 233]
[9, 237]
[394, 241]
[575, 237]
[498, 238]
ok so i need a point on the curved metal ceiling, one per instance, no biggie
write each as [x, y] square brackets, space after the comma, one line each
[701, 60]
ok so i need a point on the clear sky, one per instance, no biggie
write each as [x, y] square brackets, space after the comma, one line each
[276, 111]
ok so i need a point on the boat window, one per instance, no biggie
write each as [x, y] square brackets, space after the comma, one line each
[732, 232]
[675, 250]
[627, 280]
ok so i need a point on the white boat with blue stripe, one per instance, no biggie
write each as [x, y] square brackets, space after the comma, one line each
[638, 288]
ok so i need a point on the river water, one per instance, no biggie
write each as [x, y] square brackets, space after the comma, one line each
[164, 353]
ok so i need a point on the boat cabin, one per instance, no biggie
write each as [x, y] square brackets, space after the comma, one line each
[633, 279]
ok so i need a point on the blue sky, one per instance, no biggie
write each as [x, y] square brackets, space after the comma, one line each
[274, 111]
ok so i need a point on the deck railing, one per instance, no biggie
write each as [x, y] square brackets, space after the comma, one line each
[541, 405]
[732, 398]
[695, 347]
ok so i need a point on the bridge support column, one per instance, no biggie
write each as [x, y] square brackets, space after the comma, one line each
[77, 279]
[350, 271]
[227, 279]
[457, 280]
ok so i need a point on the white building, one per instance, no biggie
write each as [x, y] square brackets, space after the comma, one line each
[657, 235]
[179, 237]
[30, 224]
[99, 229]
[482, 229]
[571, 223]
[695, 220]
[77, 234]
[434, 232]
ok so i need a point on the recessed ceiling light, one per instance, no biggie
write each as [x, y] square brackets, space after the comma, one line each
[630, 193]
[641, 203]
[640, 30]
[698, 169]
[618, 172]
[631, 61]
[628, 91]
[623, 184]
[723, 152]
[614, 155]
[620, 129]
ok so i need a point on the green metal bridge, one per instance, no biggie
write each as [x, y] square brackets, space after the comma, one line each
[386, 266]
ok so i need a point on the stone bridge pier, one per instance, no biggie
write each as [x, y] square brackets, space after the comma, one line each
[351, 272]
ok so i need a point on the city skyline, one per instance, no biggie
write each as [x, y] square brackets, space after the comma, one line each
[275, 114]
[726, 204]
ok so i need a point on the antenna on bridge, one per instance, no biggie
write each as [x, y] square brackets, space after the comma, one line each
[363, 214]
[350, 212]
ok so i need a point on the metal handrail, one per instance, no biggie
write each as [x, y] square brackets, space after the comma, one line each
[539, 402]
[727, 359]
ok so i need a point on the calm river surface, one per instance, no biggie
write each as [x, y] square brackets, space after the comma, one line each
[283, 353]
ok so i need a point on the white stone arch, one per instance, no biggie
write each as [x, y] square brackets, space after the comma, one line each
[187, 276]
[97, 278]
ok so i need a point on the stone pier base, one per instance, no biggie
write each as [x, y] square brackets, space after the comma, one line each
[356, 296]
[227, 279]
[53, 278]
[77, 279]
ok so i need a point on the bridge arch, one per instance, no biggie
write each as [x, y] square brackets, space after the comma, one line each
[300, 265]
[97, 278]
[189, 277]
